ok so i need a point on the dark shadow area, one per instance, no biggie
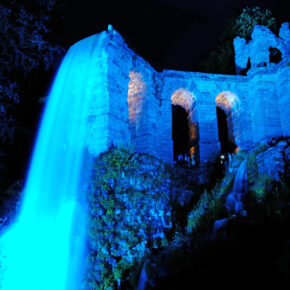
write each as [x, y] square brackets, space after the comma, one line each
[275, 55]
[249, 255]
[180, 131]
[244, 71]
[225, 132]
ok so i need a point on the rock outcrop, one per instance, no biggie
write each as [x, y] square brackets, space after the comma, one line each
[274, 160]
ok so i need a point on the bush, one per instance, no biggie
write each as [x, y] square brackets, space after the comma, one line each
[261, 187]
[129, 216]
[210, 206]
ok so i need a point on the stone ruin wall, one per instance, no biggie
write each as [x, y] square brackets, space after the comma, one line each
[139, 100]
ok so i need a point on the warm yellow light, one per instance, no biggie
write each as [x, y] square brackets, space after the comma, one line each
[136, 96]
[237, 149]
[191, 154]
[226, 100]
[183, 98]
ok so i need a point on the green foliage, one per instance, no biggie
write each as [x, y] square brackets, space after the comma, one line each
[243, 26]
[210, 206]
[271, 197]
[128, 208]
[260, 188]
[221, 60]
[259, 184]
[267, 206]
[252, 168]
[260, 148]
[9, 97]
[198, 211]
[28, 41]
[277, 198]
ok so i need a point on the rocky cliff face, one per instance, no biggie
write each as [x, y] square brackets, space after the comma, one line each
[275, 160]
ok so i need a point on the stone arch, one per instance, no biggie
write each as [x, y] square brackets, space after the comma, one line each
[136, 98]
[186, 100]
[183, 98]
[228, 107]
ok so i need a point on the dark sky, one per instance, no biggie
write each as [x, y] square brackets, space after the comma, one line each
[170, 34]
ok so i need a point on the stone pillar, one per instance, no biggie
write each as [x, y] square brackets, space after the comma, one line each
[146, 135]
[245, 131]
[265, 111]
[209, 146]
[164, 124]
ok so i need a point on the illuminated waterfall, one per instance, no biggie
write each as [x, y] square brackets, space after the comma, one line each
[44, 248]
[234, 201]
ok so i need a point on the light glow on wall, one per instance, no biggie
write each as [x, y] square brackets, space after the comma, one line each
[183, 98]
[230, 103]
[136, 96]
[227, 101]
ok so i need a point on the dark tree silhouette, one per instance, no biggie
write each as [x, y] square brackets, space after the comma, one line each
[28, 41]
[221, 60]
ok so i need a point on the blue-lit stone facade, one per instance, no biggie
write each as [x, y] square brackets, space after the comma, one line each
[137, 99]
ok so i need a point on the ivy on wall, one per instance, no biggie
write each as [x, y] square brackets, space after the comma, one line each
[129, 216]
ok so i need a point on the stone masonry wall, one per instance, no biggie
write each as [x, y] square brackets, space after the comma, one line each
[140, 110]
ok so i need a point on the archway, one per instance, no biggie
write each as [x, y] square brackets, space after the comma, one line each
[184, 125]
[227, 107]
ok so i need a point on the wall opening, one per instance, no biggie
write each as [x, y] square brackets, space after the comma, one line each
[184, 126]
[224, 131]
[180, 131]
[228, 122]
[275, 55]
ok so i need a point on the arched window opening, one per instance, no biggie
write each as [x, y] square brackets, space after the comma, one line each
[184, 126]
[275, 55]
[228, 121]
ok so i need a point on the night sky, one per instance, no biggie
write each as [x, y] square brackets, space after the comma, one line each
[170, 34]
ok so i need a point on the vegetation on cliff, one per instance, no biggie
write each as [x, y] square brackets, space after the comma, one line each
[130, 190]
[139, 217]
[222, 60]
[129, 216]
[252, 249]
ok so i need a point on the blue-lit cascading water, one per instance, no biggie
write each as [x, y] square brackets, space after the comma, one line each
[44, 248]
[234, 201]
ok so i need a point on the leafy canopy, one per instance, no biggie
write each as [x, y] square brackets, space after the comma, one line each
[28, 42]
[221, 60]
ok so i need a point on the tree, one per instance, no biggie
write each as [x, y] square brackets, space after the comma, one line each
[28, 42]
[221, 60]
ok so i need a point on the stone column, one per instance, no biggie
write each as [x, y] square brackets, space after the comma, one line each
[209, 146]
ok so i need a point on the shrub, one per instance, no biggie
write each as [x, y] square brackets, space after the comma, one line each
[260, 148]
[210, 205]
[129, 216]
[260, 188]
